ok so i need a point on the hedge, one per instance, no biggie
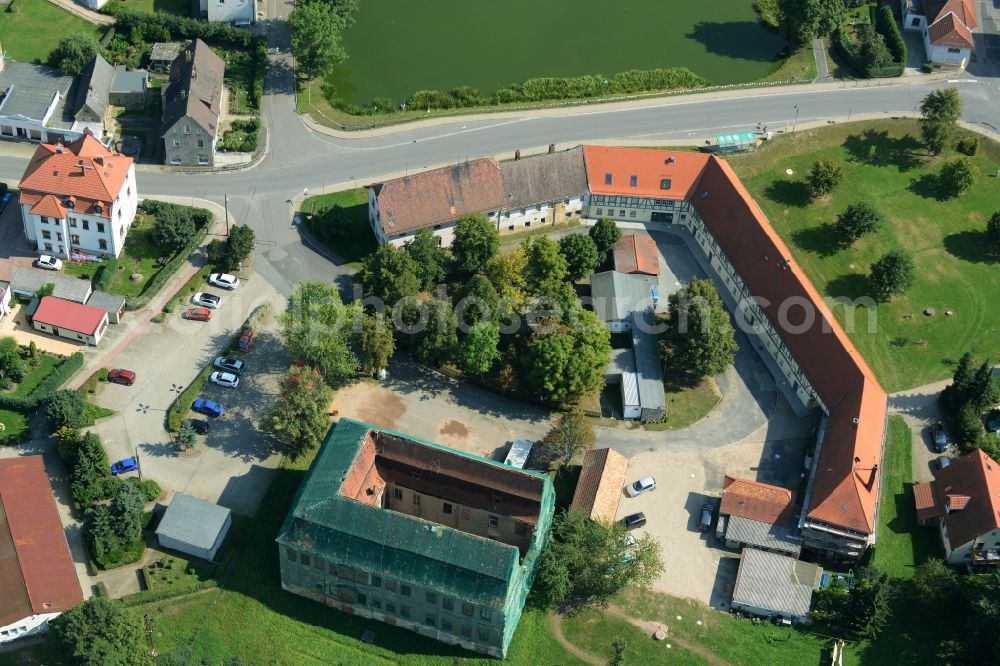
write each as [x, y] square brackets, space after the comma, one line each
[885, 25]
[179, 27]
[149, 596]
[105, 274]
[178, 410]
[150, 489]
[47, 387]
[851, 54]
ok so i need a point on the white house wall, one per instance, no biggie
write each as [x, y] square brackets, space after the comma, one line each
[944, 55]
[230, 11]
[962, 555]
[32, 625]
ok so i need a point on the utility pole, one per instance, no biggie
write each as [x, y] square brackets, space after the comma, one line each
[138, 465]
[226, 198]
[796, 118]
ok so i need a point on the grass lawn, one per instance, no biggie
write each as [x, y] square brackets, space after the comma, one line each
[902, 544]
[799, 66]
[138, 256]
[36, 26]
[593, 631]
[176, 7]
[885, 163]
[176, 573]
[46, 364]
[687, 404]
[345, 232]
[518, 236]
[15, 426]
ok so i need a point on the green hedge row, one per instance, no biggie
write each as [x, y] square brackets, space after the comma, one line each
[885, 25]
[535, 90]
[178, 27]
[178, 411]
[105, 274]
[47, 387]
[149, 596]
[851, 55]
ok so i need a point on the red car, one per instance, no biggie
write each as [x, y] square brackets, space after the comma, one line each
[198, 314]
[120, 376]
[246, 339]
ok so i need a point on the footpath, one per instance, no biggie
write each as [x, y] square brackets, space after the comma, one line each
[86, 14]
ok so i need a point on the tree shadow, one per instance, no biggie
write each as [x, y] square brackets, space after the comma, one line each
[879, 149]
[789, 192]
[822, 240]
[849, 285]
[928, 186]
[740, 40]
[972, 246]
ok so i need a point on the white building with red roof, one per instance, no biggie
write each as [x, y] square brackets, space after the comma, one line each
[74, 321]
[79, 198]
[946, 26]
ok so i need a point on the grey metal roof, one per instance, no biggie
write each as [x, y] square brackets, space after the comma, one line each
[105, 301]
[28, 280]
[544, 178]
[165, 51]
[28, 89]
[622, 364]
[756, 533]
[775, 583]
[649, 367]
[615, 295]
[193, 521]
[129, 80]
[94, 86]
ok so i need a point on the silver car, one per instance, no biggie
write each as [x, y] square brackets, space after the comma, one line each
[226, 379]
[643, 485]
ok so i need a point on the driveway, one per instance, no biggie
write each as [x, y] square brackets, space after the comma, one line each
[230, 466]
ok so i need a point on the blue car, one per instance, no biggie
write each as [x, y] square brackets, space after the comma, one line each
[125, 466]
[4, 200]
[207, 407]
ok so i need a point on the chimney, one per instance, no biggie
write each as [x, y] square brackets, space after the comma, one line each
[517, 154]
[552, 148]
[59, 148]
[99, 159]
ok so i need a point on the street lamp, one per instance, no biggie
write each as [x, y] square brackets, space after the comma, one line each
[796, 117]
[138, 465]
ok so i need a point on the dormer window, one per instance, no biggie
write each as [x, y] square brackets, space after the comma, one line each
[607, 179]
[633, 181]
[665, 184]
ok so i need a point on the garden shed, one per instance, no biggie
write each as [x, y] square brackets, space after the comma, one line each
[194, 526]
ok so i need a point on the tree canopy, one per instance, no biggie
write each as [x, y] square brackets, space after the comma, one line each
[299, 417]
[546, 265]
[581, 255]
[73, 53]
[993, 231]
[173, 227]
[958, 176]
[438, 341]
[565, 363]
[859, 219]
[479, 348]
[892, 274]
[316, 27]
[429, 258]
[605, 233]
[571, 434]
[872, 48]
[807, 19]
[389, 274]
[12, 365]
[376, 342]
[701, 336]
[940, 111]
[317, 330]
[476, 242]
[99, 632]
[239, 245]
[824, 176]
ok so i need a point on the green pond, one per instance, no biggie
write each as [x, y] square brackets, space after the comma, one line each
[397, 47]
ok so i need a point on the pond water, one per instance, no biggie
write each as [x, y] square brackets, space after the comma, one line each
[397, 47]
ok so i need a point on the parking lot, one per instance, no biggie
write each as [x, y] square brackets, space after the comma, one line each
[232, 464]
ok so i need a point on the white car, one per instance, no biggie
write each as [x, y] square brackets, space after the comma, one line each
[49, 263]
[226, 379]
[643, 485]
[224, 280]
[206, 299]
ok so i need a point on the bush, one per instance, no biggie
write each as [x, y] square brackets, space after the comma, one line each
[201, 219]
[771, 13]
[149, 596]
[927, 68]
[66, 409]
[150, 489]
[90, 386]
[968, 145]
[151, 27]
[958, 176]
[181, 406]
[104, 274]
[101, 590]
[885, 25]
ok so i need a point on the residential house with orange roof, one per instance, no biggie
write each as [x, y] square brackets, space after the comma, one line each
[759, 515]
[599, 488]
[963, 500]
[78, 199]
[946, 27]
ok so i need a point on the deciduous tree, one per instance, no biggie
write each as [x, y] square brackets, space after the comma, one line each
[476, 242]
[389, 274]
[478, 349]
[892, 274]
[173, 228]
[478, 300]
[605, 233]
[940, 111]
[376, 343]
[299, 418]
[506, 272]
[566, 363]
[317, 328]
[546, 265]
[99, 632]
[807, 19]
[570, 435]
[438, 342]
[316, 28]
[239, 245]
[72, 54]
[858, 219]
[12, 366]
[428, 256]
[958, 176]
[993, 231]
[824, 176]
[701, 336]
[580, 253]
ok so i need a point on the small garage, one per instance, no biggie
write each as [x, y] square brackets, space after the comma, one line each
[194, 526]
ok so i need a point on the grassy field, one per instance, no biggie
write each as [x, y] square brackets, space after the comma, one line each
[46, 364]
[176, 573]
[347, 235]
[902, 544]
[177, 7]
[885, 163]
[34, 27]
[138, 256]
[593, 631]
[687, 404]
[15, 426]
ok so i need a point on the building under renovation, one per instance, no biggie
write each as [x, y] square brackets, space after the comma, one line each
[417, 535]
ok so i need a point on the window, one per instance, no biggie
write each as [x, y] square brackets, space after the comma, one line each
[405, 590]
[446, 625]
[528, 223]
[954, 50]
[510, 227]
[86, 225]
[177, 144]
[665, 184]
[520, 529]
[45, 220]
[633, 181]
[362, 599]
[46, 234]
[103, 244]
[600, 211]
[467, 609]
[100, 227]
[48, 246]
[484, 634]
[376, 603]
[430, 620]
[485, 614]
[333, 568]
[202, 160]
[75, 239]
[318, 563]
[397, 494]
[290, 554]
[607, 179]
[915, 23]
[304, 559]
[447, 603]
[432, 597]
[631, 213]
[466, 513]
[390, 607]
[175, 160]
[390, 585]
[416, 499]
[494, 521]
[404, 611]
[466, 631]
[621, 213]
[361, 578]
[187, 129]
[376, 581]
[201, 143]
[72, 222]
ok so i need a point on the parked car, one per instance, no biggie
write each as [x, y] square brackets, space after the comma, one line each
[48, 263]
[121, 376]
[124, 466]
[643, 485]
[224, 280]
[942, 462]
[227, 379]
[705, 518]
[4, 200]
[208, 407]
[246, 339]
[233, 365]
[207, 299]
[200, 427]
[940, 437]
[634, 520]
[198, 314]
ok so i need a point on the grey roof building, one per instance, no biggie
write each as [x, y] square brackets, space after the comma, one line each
[616, 295]
[648, 366]
[747, 532]
[36, 102]
[91, 99]
[163, 53]
[112, 304]
[128, 88]
[192, 105]
[194, 526]
[544, 178]
[773, 585]
[27, 282]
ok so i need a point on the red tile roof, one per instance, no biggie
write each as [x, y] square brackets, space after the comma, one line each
[69, 315]
[845, 490]
[965, 10]
[599, 488]
[757, 501]
[925, 498]
[970, 486]
[950, 31]
[49, 206]
[439, 195]
[36, 569]
[636, 253]
[56, 170]
[650, 168]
